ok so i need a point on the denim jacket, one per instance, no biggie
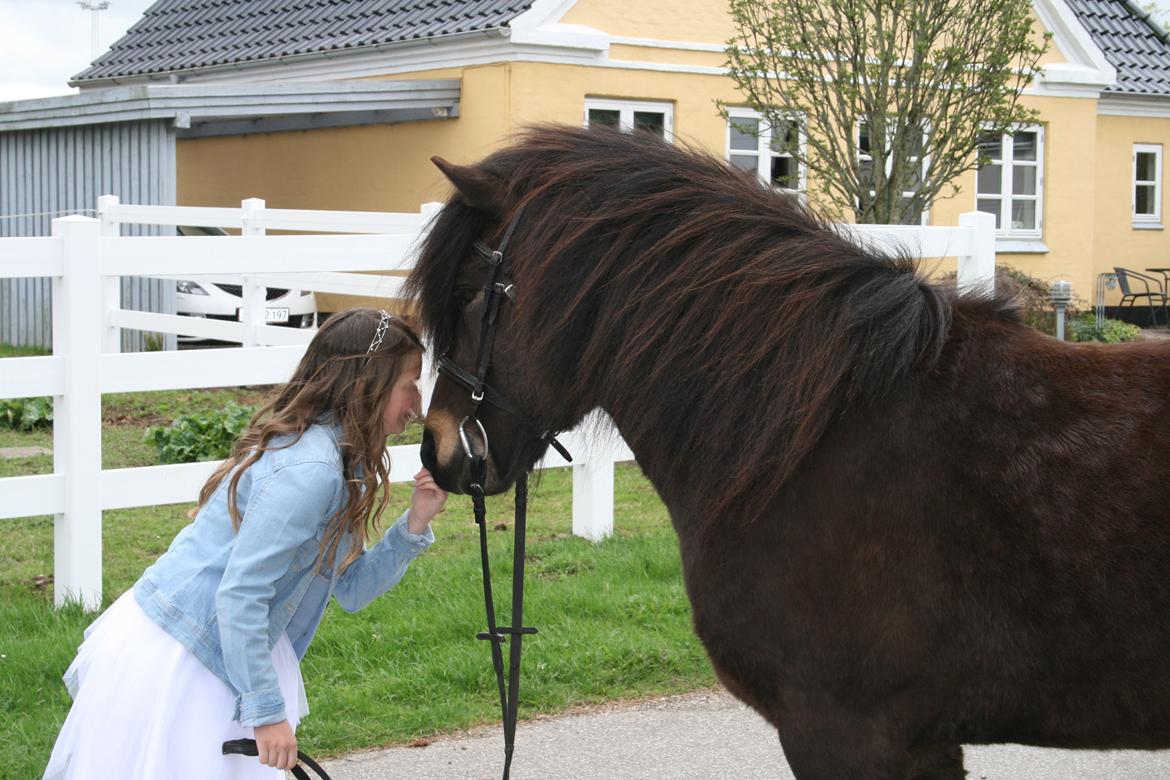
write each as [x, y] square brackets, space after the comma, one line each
[228, 596]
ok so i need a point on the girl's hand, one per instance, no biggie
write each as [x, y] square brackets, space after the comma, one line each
[426, 501]
[276, 745]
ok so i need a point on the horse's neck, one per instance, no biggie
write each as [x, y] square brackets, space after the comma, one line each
[663, 468]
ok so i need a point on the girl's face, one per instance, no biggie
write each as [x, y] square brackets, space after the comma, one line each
[405, 402]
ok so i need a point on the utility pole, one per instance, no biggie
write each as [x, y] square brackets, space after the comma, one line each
[93, 8]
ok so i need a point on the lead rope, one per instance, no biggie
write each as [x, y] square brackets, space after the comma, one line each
[247, 747]
[509, 688]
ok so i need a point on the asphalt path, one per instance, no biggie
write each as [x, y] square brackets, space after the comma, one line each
[703, 735]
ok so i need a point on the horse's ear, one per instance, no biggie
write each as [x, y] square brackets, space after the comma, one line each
[478, 188]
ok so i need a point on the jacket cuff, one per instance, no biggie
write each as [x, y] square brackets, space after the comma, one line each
[259, 708]
[406, 543]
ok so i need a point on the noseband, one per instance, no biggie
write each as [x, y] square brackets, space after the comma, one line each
[498, 289]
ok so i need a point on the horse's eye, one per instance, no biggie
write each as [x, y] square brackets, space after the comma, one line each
[465, 295]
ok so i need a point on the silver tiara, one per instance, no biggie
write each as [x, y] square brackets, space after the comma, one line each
[380, 333]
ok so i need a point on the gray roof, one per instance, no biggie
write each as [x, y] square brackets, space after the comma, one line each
[1131, 41]
[182, 35]
[199, 110]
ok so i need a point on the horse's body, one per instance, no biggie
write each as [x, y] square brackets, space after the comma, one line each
[907, 521]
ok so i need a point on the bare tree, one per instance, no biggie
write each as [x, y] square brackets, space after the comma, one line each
[893, 96]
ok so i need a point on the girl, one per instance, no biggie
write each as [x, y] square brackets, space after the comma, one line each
[206, 646]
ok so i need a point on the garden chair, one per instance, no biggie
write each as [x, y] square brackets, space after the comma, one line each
[1136, 285]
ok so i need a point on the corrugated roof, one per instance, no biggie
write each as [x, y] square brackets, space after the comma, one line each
[175, 35]
[1131, 41]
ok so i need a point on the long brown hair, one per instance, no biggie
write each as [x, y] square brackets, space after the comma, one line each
[337, 380]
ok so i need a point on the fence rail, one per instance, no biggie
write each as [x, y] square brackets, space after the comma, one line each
[85, 258]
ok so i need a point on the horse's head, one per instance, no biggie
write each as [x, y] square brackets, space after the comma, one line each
[460, 275]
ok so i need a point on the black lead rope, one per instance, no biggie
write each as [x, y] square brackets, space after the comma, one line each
[508, 686]
[247, 747]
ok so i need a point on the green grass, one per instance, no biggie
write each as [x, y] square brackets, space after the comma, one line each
[614, 621]
[9, 350]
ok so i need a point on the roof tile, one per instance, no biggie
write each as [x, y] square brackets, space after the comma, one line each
[189, 34]
[1139, 51]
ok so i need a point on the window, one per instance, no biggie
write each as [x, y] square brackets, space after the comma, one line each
[766, 151]
[657, 118]
[1010, 182]
[865, 169]
[1147, 185]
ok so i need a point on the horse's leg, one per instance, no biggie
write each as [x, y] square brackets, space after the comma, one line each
[938, 762]
[828, 742]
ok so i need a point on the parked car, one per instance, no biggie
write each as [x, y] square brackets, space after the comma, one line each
[222, 301]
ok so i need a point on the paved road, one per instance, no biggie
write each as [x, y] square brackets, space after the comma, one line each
[704, 735]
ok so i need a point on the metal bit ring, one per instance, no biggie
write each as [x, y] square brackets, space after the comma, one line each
[467, 443]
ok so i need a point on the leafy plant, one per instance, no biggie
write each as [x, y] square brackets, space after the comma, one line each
[1085, 328]
[881, 86]
[26, 414]
[12, 350]
[205, 436]
[153, 342]
[1030, 296]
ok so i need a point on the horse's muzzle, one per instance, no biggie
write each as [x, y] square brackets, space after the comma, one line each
[454, 476]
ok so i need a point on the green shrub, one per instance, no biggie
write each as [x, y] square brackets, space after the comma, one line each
[153, 342]
[11, 350]
[1030, 295]
[206, 436]
[25, 414]
[1085, 328]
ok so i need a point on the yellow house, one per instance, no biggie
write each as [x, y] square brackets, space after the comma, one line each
[1074, 195]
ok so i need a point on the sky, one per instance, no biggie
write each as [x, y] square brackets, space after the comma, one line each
[44, 42]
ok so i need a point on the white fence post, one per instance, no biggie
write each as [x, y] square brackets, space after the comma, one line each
[977, 270]
[77, 415]
[254, 296]
[111, 285]
[253, 216]
[429, 210]
[593, 487]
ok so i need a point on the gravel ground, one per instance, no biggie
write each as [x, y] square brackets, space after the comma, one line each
[702, 735]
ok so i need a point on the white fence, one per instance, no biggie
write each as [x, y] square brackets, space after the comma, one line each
[85, 257]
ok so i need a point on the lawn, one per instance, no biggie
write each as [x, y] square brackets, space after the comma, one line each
[613, 618]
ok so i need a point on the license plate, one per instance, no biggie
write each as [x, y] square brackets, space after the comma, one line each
[276, 315]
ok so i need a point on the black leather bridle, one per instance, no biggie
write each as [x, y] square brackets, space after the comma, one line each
[498, 289]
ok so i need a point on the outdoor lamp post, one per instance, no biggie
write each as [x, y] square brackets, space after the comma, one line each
[1060, 294]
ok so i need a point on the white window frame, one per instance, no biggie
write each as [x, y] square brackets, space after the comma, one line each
[764, 151]
[923, 161]
[1005, 196]
[627, 108]
[1153, 220]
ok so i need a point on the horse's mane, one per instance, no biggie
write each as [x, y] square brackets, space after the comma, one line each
[705, 311]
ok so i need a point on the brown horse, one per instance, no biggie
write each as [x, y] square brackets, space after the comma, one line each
[907, 521]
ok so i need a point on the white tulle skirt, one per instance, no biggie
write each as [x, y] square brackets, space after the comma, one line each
[147, 708]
